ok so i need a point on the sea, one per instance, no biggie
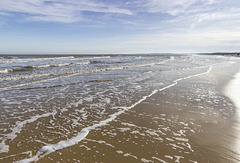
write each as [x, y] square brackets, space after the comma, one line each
[51, 103]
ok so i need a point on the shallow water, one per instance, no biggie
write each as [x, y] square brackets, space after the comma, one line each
[51, 103]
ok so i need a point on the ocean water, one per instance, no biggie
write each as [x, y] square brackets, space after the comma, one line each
[49, 103]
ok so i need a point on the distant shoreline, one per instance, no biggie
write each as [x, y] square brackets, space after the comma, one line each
[234, 54]
[237, 54]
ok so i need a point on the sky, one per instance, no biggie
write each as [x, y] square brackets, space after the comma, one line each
[119, 26]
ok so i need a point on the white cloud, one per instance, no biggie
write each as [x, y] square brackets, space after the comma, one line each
[3, 13]
[189, 41]
[174, 7]
[48, 18]
[224, 15]
[226, 19]
[166, 25]
[195, 25]
[191, 14]
[58, 10]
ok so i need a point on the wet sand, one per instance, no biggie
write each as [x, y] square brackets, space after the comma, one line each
[193, 121]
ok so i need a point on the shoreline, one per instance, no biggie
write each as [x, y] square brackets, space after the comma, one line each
[219, 141]
[174, 124]
[51, 148]
[232, 90]
[185, 118]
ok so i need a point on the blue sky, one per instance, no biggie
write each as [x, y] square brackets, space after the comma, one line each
[118, 26]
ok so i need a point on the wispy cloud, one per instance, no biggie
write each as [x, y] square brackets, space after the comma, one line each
[174, 7]
[3, 13]
[139, 26]
[58, 10]
[192, 41]
[177, 14]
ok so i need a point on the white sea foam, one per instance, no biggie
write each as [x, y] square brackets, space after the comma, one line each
[119, 152]
[57, 65]
[17, 129]
[25, 68]
[74, 73]
[124, 129]
[145, 160]
[29, 153]
[100, 142]
[130, 155]
[178, 158]
[128, 124]
[22, 60]
[160, 160]
[34, 59]
[47, 149]
[4, 71]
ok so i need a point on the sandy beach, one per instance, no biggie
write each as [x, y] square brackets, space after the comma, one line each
[120, 81]
[177, 124]
[171, 110]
